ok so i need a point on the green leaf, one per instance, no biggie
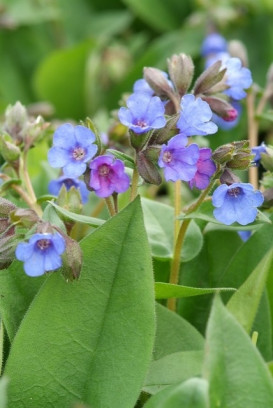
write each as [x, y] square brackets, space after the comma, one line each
[245, 302]
[168, 290]
[192, 393]
[172, 369]
[267, 116]
[4, 381]
[60, 79]
[205, 212]
[236, 372]
[159, 223]
[128, 161]
[95, 335]
[84, 219]
[50, 215]
[173, 334]
[160, 15]
[1, 346]
[17, 291]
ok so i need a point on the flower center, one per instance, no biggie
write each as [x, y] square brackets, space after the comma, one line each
[234, 192]
[43, 244]
[68, 183]
[78, 153]
[167, 157]
[104, 170]
[141, 123]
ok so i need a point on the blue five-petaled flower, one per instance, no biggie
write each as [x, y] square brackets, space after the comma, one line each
[237, 202]
[72, 148]
[41, 254]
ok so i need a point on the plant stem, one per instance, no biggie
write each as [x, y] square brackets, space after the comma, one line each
[177, 206]
[27, 179]
[252, 134]
[110, 206]
[175, 267]
[115, 199]
[134, 184]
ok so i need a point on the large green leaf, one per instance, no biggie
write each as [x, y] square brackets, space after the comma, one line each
[245, 302]
[60, 79]
[90, 340]
[192, 393]
[172, 369]
[159, 223]
[17, 291]
[167, 290]
[174, 334]
[236, 372]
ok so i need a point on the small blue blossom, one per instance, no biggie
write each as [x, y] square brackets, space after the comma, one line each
[141, 85]
[178, 161]
[238, 78]
[72, 148]
[55, 186]
[257, 151]
[244, 235]
[41, 254]
[195, 117]
[144, 113]
[213, 44]
[236, 203]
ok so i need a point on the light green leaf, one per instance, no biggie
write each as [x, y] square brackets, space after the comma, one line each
[168, 290]
[236, 372]
[4, 382]
[94, 336]
[172, 369]
[192, 393]
[245, 302]
[173, 334]
[159, 223]
[84, 219]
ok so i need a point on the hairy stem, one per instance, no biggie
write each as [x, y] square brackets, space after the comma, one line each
[110, 206]
[252, 135]
[134, 184]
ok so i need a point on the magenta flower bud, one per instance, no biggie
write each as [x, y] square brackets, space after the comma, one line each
[232, 114]
[108, 176]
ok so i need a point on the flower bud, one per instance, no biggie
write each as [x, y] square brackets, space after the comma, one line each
[24, 216]
[229, 178]
[238, 50]
[9, 150]
[267, 158]
[15, 121]
[72, 259]
[236, 155]
[222, 108]
[209, 78]
[147, 169]
[157, 81]
[223, 153]
[241, 160]
[162, 135]
[181, 71]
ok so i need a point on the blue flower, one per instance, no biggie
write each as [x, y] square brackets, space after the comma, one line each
[238, 78]
[72, 148]
[41, 253]
[179, 162]
[236, 203]
[257, 151]
[141, 85]
[213, 44]
[195, 117]
[54, 186]
[144, 113]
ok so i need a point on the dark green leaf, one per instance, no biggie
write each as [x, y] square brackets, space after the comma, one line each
[84, 219]
[168, 290]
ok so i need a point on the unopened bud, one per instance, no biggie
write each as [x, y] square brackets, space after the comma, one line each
[228, 177]
[9, 150]
[267, 158]
[221, 107]
[181, 71]
[70, 199]
[147, 169]
[209, 78]
[162, 135]
[236, 155]
[24, 216]
[72, 259]
[158, 81]
[238, 50]
[241, 161]
[15, 121]
[223, 153]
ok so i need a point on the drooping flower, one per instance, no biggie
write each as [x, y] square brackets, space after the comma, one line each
[213, 44]
[108, 176]
[205, 169]
[178, 161]
[72, 148]
[143, 113]
[195, 117]
[41, 254]
[55, 186]
[237, 202]
[257, 150]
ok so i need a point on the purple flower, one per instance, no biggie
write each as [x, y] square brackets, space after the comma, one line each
[238, 78]
[144, 113]
[72, 148]
[236, 202]
[213, 44]
[179, 162]
[257, 151]
[54, 186]
[195, 117]
[205, 169]
[108, 176]
[41, 253]
[230, 124]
